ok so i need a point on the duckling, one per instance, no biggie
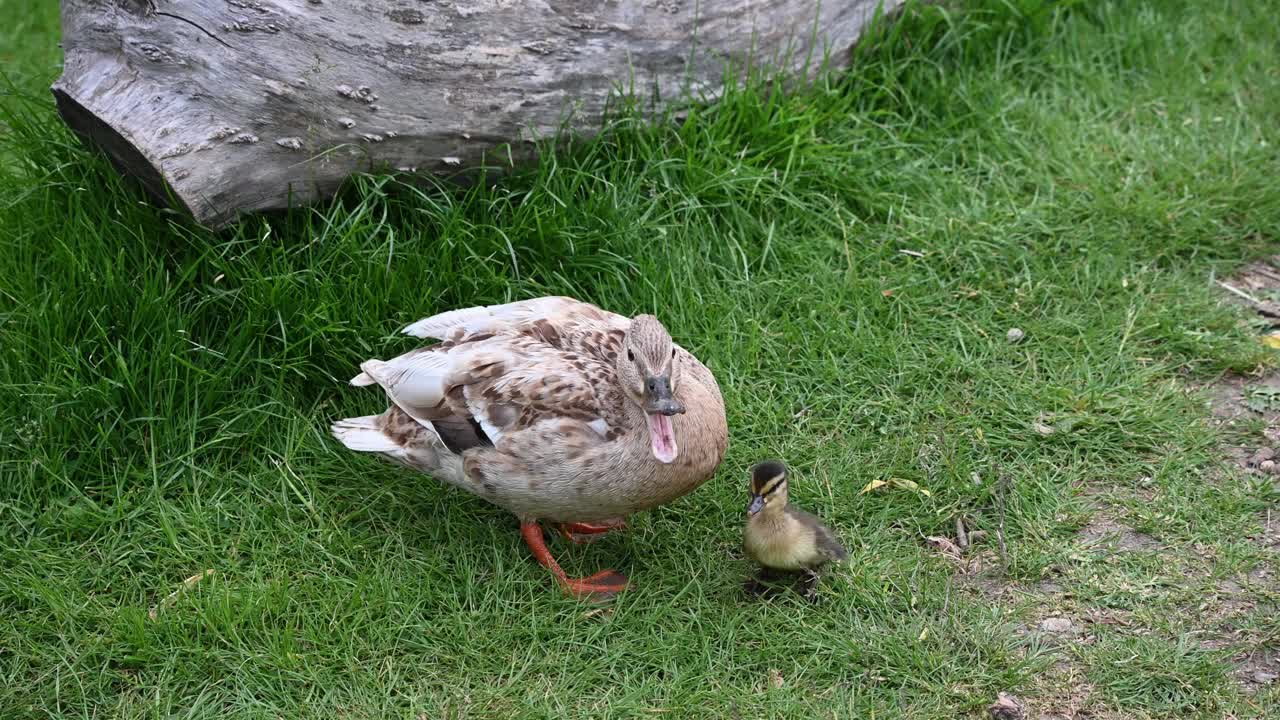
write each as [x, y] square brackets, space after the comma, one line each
[784, 538]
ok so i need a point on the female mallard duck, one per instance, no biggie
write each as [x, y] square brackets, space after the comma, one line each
[781, 536]
[553, 409]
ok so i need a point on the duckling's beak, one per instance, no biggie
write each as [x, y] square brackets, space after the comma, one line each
[757, 504]
[659, 406]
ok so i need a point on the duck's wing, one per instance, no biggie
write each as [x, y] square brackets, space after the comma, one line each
[477, 393]
[559, 314]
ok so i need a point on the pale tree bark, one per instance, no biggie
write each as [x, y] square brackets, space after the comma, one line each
[231, 106]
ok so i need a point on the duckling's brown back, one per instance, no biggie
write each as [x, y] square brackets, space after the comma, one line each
[826, 544]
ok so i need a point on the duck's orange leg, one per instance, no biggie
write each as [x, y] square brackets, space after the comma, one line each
[603, 584]
[589, 532]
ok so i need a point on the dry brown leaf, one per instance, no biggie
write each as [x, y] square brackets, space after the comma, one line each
[909, 485]
[872, 486]
[172, 597]
[896, 482]
[945, 546]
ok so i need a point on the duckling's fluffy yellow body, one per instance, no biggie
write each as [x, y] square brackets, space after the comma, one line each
[790, 539]
[782, 537]
[781, 541]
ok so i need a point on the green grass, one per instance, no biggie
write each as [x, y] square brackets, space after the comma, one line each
[1162, 676]
[1077, 170]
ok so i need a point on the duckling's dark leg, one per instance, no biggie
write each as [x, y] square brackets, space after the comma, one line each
[770, 575]
[602, 585]
[760, 584]
[589, 532]
[809, 585]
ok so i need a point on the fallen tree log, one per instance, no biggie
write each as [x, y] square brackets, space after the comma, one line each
[240, 105]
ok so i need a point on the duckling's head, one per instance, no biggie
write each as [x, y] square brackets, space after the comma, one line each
[649, 371]
[768, 487]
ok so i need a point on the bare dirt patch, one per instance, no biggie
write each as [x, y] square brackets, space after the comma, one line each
[1259, 668]
[1236, 400]
[1104, 531]
[1064, 693]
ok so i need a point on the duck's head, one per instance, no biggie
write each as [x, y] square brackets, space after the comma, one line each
[768, 487]
[650, 372]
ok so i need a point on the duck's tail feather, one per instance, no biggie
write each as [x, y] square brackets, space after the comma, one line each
[364, 434]
[363, 379]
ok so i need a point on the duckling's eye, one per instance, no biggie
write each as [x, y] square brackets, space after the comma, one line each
[630, 356]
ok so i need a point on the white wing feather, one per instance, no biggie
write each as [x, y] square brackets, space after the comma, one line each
[487, 318]
[419, 380]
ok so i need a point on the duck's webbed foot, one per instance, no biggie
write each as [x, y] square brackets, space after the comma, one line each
[600, 586]
[580, 533]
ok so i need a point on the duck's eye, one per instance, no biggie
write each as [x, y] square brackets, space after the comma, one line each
[631, 356]
[673, 352]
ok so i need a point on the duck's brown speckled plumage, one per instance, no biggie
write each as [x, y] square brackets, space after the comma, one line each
[539, 379]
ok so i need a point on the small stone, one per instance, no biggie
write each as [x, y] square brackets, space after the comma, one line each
[451, 161]
[1007, 707]
[1264, 453]
[346, 122]
[1267, 466]
[223, 132]
[1015, 335]
[1056, 625]
[1043, 429]
[290, 143]
[1262, 677]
